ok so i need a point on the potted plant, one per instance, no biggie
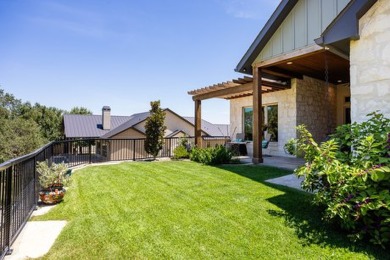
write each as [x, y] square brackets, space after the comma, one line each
[52, 179]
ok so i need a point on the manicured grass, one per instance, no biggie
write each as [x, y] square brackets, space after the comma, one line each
[183, 210]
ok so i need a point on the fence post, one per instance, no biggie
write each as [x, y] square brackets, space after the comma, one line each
[134, 149]
[170, 147]
[8, 209]
[36, 188]
[90, 151]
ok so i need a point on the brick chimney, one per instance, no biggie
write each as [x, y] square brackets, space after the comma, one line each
[106, 118]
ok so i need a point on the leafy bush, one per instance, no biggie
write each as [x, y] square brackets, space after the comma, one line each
[291, 146]
[52, 174]
[211, 155]
[180, 152]
[350, 175]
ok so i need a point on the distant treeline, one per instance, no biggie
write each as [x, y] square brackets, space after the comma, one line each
[25, 127]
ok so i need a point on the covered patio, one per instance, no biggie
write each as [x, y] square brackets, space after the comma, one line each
[237, 88]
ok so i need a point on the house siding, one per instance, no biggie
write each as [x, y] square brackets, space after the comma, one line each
[173, 123]
[129, 133]
[306, 21]
[370, 63]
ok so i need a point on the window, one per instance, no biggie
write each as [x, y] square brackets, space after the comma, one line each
[248, 125]
[270, 121]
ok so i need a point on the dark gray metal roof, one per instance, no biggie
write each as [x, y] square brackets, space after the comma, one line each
[276, 19]
[132, 121]
[209, 128]
[345, 26]
[84, 126]
[90, 126]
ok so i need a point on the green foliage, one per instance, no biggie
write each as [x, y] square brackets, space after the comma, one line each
[155, 129]
[350, 175]
[18, 137]
[49, 119]
[183, 150]
[24, 128]
[211, 155]
[52, 174]
[291, 146]
[180, 152]
[80, 111]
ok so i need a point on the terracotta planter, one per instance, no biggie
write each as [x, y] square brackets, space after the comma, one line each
[52, 195]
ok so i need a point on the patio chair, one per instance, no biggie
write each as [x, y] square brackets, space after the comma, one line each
[266, 140]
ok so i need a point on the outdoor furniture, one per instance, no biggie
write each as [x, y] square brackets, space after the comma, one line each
[238, 145]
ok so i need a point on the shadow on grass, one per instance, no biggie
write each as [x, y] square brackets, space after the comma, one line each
[298, 212]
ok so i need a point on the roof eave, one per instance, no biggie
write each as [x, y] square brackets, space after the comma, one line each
[276, 19]
[346, 25]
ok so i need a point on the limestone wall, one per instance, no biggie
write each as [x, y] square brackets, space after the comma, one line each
[370, 63]
[316, 107]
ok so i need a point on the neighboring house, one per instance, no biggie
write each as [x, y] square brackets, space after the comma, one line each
[121, 137]
[125, 127]
[315, 62]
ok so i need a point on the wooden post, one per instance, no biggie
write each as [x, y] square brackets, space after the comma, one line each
[198, 123]
[257, 117]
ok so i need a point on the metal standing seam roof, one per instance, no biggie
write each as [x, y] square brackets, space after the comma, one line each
[90, 126]
[83, 126]
[209, 128]
[132, 121]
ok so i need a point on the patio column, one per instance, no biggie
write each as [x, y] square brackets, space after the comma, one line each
[257, 117]
[198, 123]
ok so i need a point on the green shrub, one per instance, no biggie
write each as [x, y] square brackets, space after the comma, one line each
[350, 175]
[180, 152]
[211, 155]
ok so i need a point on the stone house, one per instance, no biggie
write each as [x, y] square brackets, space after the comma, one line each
[318, 63]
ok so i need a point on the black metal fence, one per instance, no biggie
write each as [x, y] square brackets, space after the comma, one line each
[18, 177]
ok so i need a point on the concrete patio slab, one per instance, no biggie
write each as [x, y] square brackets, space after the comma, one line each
[37, 237]
[289, 163]
[290, 180]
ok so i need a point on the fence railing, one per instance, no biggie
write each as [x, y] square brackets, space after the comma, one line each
[19, 184]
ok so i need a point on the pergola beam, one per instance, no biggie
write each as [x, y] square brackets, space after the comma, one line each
[224, 92]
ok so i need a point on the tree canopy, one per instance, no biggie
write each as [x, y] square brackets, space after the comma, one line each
[25, 127]
[80, 111]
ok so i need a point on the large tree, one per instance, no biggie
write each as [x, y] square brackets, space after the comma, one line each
[49, 119]
[18, 137]
[155, 129]
[24, 128]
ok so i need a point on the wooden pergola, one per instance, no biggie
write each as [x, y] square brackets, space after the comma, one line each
[237, 88]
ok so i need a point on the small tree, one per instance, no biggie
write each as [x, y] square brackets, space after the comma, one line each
[155, 129]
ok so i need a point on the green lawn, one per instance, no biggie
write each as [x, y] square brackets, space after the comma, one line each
[184, 210]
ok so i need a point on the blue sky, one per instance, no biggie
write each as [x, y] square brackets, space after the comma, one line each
[125, 53]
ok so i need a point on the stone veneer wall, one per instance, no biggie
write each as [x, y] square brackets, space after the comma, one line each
[316, 107]
[370, 63]
[286, 116]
